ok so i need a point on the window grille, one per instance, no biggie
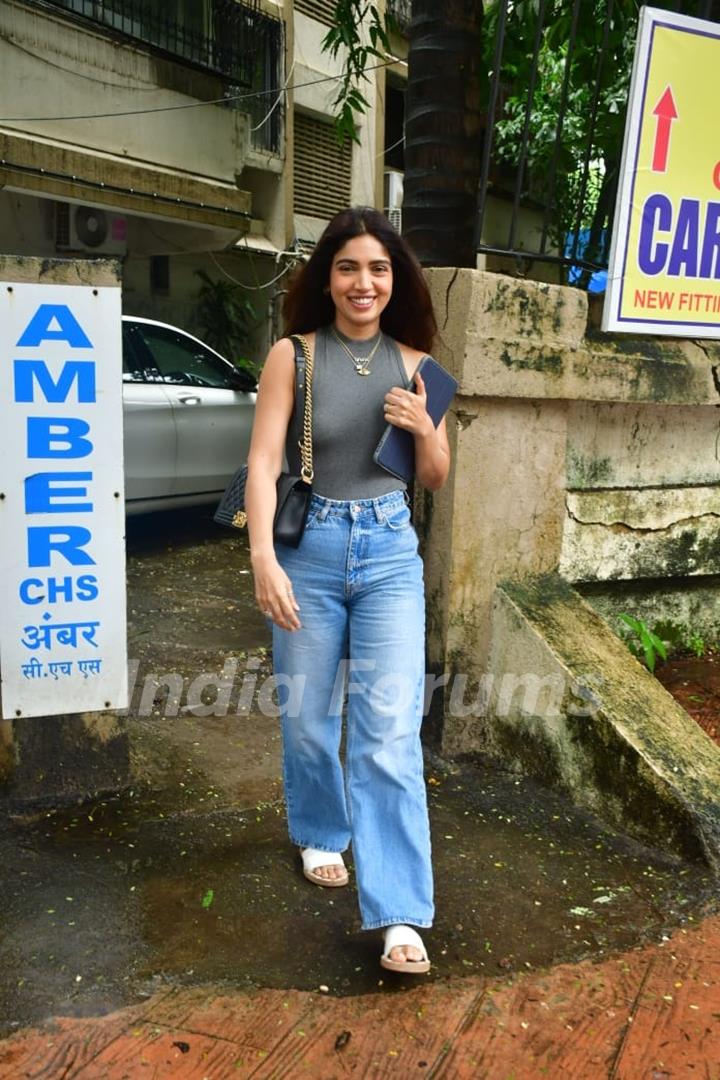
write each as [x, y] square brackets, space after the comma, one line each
[322, 168]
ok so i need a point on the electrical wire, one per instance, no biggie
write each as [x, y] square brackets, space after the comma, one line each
[242, 285]
[186, 105]
[387, 149]
[277, 100]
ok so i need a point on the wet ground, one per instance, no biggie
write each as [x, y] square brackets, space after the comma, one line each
[188, 878]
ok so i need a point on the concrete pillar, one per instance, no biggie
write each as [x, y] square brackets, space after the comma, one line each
[56, 760]
[549, 417]
[501, 512]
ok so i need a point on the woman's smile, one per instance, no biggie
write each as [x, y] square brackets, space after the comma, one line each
[361, 282]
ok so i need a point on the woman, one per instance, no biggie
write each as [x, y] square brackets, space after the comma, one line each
[348, 603]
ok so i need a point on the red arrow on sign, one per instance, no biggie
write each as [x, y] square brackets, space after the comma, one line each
[666, 112]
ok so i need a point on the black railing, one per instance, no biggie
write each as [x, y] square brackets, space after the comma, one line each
[558, 76]
[232, 40]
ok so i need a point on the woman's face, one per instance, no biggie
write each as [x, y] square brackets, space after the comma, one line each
[361, 281]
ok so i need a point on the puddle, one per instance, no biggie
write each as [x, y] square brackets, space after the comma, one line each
[190, 878]
[105, 905]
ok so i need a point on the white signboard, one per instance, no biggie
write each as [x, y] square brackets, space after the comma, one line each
[664, 274]
[62, 517]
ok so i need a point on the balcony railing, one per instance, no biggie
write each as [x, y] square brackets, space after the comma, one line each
[232, 40]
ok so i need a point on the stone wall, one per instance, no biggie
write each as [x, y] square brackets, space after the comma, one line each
[569, 704]
[592, 455]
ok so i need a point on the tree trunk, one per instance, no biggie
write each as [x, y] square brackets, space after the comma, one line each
[443, 133]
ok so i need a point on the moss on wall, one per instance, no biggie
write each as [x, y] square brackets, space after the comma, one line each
[548, 361]
[587, 472]
[634, 756]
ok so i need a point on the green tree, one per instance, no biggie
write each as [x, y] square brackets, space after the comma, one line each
[443, 129]
[224, 318]
[570, 159]
[449, 70]
[443, 132]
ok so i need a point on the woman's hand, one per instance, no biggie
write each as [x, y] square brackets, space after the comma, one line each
[274, 592]
[408, 410]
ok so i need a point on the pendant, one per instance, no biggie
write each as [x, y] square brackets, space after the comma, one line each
[362, 371]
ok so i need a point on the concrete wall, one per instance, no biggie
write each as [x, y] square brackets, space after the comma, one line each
[189, 182]
[65, 68]
[592, 455]
[580, 462]
[311, 63]
[567, 703]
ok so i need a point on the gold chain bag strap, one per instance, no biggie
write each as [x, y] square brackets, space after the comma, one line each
[306, 450]
[293, 491]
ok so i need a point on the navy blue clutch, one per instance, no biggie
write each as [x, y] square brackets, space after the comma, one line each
[396, 450]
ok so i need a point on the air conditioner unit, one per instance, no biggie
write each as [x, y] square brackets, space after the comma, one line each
[89, 229]
[394, 197]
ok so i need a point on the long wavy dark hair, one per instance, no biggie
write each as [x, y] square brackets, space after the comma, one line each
[409, 315]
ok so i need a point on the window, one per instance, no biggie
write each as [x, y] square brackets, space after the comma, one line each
[160, 274]
[322, 168]
[185, 362]
[137, 362]
[401, 10]
[322, 10]
[233, 40]
[394, 124]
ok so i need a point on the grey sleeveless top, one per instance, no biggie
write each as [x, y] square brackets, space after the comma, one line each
[348, 418]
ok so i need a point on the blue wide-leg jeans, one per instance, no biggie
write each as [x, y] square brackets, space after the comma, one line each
[357, 577]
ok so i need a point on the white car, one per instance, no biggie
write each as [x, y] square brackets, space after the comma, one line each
[187, 417]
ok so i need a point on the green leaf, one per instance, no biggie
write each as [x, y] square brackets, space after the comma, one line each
[208, 898]
[349, 17]
[659, 645]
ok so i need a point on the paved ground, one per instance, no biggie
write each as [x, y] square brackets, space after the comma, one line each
[170, 931]
[646, 1014]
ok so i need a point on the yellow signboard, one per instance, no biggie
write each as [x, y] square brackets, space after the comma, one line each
[664, 273]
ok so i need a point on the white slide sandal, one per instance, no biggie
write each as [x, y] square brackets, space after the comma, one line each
[399, 934]
[312, 858]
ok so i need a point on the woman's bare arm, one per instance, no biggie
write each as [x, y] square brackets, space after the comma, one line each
[432, 455]
[273, 409]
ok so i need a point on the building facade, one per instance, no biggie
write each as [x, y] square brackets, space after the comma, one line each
[184, 136]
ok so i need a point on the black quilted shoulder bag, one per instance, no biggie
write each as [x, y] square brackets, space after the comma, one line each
[293, 488]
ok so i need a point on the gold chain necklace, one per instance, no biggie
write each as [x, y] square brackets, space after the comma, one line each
[360, 363]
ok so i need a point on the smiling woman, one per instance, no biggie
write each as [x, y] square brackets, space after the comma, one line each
[347, 605]
[361, 281]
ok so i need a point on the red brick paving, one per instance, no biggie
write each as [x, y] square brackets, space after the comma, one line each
[648, 1014]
